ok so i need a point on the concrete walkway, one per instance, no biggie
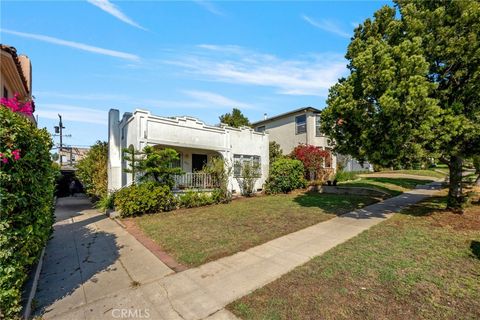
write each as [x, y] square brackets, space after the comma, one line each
[88, 258]
[203, 292]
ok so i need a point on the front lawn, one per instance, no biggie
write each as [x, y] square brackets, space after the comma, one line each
[198, 235]
[393, 186]
[424, 173]
[421, 264]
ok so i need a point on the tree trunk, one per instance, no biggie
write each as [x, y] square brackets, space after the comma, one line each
[455, 188]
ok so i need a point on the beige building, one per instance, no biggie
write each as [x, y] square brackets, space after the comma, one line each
[71, 156]
[300, 126]
[15, 75]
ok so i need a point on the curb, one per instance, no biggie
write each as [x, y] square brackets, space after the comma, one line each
[28, 308]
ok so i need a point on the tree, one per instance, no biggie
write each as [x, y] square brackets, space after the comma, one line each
[158, 165]
[412, 92]
[235, 119]
[134, 159]
[275, 152]
[312, 157]
[476, 165]
[92, 170]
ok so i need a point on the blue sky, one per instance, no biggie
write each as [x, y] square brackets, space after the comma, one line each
[195, 58]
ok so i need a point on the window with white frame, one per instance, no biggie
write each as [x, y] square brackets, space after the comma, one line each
[301, 124]
[240, 159]
[318, 131]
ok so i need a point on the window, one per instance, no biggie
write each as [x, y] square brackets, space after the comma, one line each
[5, 92]
[301, 124]
[318, 131]
[240, 159]
[177, 163]
[260, 129]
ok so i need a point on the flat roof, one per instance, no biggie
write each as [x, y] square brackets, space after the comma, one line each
[286, 114]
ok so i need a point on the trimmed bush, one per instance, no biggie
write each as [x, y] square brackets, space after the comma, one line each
[286, 175]
[192, 199]
[345, 176]
[147, 197]
[27, 186]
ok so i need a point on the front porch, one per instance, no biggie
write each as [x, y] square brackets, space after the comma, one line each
[195, 180]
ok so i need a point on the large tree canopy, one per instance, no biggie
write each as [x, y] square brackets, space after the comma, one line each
[413, 89]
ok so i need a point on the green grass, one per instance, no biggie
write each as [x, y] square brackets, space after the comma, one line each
[424, 173]
[421, 264]
[198, 235]
[392, 186]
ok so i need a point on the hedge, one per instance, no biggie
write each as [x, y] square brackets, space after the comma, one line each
[285, 175]
[26, 203]
[147, 197]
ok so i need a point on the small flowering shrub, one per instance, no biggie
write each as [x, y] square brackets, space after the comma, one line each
[313, 159]
[26, 200]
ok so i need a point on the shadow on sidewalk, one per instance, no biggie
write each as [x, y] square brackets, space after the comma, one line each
[75, 253]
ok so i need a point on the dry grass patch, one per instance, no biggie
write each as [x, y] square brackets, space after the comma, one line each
[421, 264]
[198, 235]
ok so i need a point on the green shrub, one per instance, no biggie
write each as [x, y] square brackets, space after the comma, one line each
[286, 175]
[147, 197]
[27, 186]
[345, 175]
[106, 202]
[192, 199]
[92, 170]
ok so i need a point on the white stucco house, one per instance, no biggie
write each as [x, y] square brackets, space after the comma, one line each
[196, 142]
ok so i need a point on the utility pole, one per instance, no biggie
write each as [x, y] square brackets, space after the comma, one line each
[58, 129]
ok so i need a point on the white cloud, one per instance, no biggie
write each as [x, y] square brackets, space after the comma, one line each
[76, 96]
[215, 99]
[209, 7]
[306, 75]
[327, 25]
[73, 113]
[112, 9]
[72, 44]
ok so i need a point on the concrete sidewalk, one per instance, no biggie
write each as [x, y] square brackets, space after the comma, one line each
[203, 292]
[88, 258]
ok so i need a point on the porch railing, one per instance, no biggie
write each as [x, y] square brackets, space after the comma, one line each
[195, 181]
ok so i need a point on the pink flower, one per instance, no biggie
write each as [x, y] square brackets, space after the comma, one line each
[16, 154]
[17, 106]
[4, 160]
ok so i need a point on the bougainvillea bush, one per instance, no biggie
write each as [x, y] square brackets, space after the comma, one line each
[26, 201]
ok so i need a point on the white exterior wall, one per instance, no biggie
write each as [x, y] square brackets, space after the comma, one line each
[185, 134]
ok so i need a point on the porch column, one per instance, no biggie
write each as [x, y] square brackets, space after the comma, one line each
[114, 151]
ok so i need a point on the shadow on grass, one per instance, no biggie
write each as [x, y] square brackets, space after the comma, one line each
[371, 186]
[475, 247]
[407, 183]
[333, 203]
[427, 207]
